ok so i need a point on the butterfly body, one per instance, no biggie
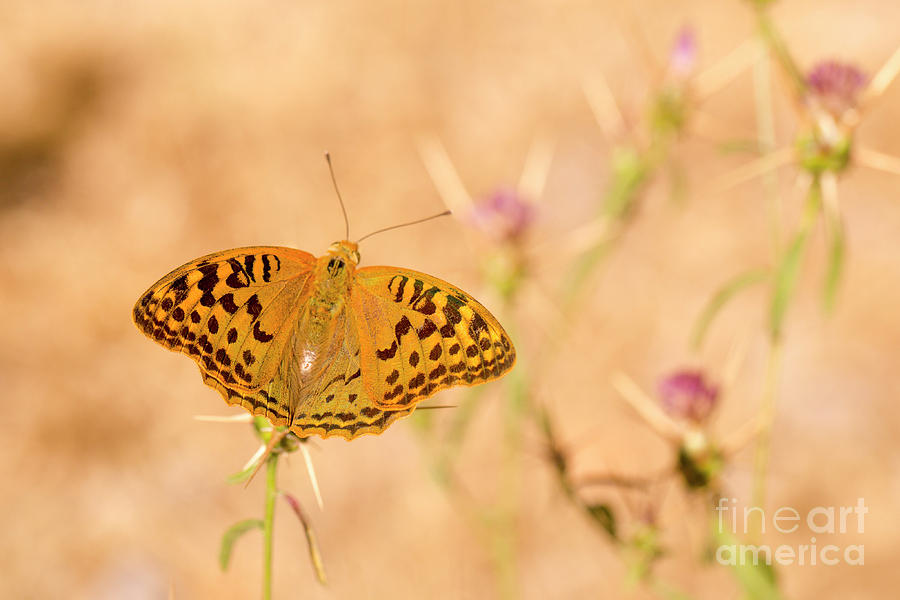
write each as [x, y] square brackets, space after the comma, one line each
[331, 283]
[317, 344]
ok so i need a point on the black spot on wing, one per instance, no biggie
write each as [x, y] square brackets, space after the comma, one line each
[210, 278]
[387, 353]
[425, 304]
[254, 307]
[416, 381]
[451, 311]
[402, 328]
[428, 328]
[179, 285]
[394, 393]
[398, 297]
[417, 291]
[228, 303]
[237, 278]
[248, 266]
[476, 326]
[261, 336]
[267, 268]
[222, 357]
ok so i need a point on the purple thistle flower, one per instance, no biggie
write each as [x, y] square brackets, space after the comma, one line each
[686, 394]
[683, 55]
[836, 85]
[504, 215]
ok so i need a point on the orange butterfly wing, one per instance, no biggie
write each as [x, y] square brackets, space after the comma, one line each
[419, 334]
[227, 311]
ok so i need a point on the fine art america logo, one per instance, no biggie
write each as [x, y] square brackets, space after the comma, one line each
[820, 520]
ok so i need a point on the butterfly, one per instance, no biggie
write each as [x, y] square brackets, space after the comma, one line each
[318, 345]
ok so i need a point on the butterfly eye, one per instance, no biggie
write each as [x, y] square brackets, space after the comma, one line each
[355, 257]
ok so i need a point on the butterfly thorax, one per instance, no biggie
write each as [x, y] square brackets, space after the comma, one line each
[333, 279]
[319, 333]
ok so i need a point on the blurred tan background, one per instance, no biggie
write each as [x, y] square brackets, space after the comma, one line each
[134, 138]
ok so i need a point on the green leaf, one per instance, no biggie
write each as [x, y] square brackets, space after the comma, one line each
[232, 535]
[758, 581]
[242, 476]
[835, 263]
[630, 172]
[315, 555]
[642, 552]
[785, 282]
[721, 297]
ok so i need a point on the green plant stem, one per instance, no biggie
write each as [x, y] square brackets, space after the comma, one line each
[775, 42]
[765, 132]
[268, 524]
[518, 403]
[766, 419]
[784, 286]
[765, 137]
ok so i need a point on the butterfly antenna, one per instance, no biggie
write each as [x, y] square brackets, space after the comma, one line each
[416, 222]
[338, 192]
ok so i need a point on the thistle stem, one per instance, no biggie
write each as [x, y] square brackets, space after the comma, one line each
[766, 419]
[765, 135]
[776, 44]
[268, 524]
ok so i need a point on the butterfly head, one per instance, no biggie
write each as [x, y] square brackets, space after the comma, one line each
[342, 259]
[335, 269]
[345, 251]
